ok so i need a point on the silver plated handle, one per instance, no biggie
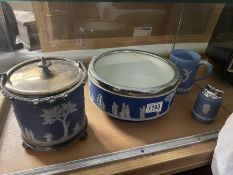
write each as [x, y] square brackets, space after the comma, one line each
[6, 93]
[2, 78]
[81, 66]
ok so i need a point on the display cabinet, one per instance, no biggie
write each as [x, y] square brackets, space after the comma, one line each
[78, 31]
[70, 25]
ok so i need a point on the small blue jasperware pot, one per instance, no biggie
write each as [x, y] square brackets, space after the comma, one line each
[47, 96]
[207, 104]
[133, 85]
[188, 63]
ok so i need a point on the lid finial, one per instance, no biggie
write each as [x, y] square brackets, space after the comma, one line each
[45, 64]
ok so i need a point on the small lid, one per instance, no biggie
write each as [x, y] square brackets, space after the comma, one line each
[134, 72]
[212, 93]
[40, 77]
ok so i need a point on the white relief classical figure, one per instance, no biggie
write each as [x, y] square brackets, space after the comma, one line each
[122, 113]
[206, 108]
[59, 113]
[115, 108]
[185, 75]
[48, 137]
[143, 112]
[127, 111]
[169, 98]
[100, 101]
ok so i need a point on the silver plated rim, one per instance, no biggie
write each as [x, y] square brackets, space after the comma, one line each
[10, 88]
[47, 98]
[133, 91]
[133, 96]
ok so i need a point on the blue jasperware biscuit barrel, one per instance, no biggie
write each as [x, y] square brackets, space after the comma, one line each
[132, 85]
[47, 95]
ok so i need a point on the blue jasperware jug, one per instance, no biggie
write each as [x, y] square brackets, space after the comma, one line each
[188, 63]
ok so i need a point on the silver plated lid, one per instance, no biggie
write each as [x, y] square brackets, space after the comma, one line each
[134, 73]
[212, 93]
[42, 77]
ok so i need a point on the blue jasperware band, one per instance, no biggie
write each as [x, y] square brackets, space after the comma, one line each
[130, 108]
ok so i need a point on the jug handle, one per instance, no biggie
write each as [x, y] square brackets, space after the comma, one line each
[209, 68]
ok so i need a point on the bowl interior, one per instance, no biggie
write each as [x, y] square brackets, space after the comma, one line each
[134, 70]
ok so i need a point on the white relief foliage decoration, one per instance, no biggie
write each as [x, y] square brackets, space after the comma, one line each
[59, 113]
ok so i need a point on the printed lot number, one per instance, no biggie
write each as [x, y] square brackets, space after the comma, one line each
[154, 107]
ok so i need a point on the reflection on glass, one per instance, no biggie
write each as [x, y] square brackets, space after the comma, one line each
[43, 26]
